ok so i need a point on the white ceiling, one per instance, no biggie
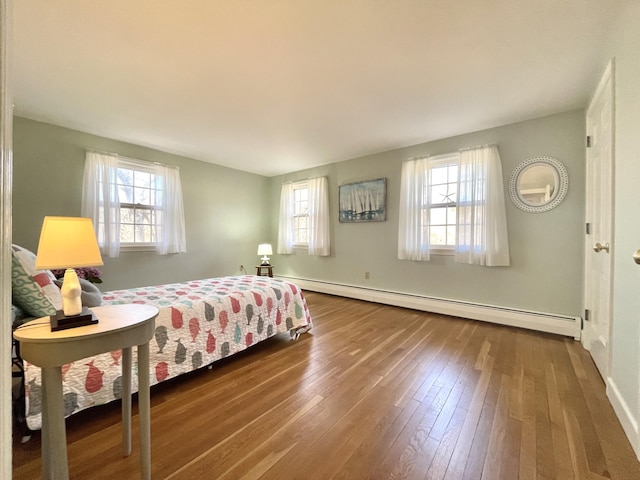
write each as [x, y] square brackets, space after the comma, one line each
[274, 86]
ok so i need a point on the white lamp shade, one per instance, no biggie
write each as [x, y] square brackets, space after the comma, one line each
[67, 242]
[265, 249]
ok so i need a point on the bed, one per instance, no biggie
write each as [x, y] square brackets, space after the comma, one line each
[200, 321]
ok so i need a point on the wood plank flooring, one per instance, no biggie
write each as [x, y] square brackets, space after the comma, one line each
[373, 392]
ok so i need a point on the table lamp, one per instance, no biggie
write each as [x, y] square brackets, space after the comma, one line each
[264, 249]
[69, 242]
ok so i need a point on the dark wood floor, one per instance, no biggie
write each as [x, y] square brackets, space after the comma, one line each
[374, 392]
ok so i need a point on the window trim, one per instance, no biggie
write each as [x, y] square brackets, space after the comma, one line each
[300, 185]
[141, 166]
[435, 162]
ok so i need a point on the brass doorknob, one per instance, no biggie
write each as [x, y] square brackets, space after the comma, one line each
[598, 246]
[636, 256]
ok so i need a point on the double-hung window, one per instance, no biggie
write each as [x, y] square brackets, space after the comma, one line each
[304, 217]
[138, 193]
[133, 204]
[454, 203]
[428, 207]
[439, 211]
[301, 214]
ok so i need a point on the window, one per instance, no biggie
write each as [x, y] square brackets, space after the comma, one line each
[133, 204]
[301, 214]
[454, 203]
[304, 217]
[138, 195]
[439, 211]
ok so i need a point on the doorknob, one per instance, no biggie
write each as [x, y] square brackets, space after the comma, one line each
[598, 246]
[636, 256]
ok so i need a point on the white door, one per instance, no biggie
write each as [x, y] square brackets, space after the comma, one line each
[599, 228]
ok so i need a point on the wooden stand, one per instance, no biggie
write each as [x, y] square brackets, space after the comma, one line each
[261, 268]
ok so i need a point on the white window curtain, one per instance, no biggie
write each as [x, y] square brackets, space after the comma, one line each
[285, 223]
[413, 242]
[481, 237]
[171, 238]
[100, 200]
[319, 219]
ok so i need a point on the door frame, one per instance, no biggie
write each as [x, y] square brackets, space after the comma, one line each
[6, 129]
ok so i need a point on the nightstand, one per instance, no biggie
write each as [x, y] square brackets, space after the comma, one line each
[119, 327]
[260, 270]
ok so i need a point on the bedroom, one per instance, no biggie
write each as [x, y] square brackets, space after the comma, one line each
[245, 204]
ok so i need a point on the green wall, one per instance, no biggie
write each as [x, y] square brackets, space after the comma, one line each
[546, 272]
[225, 214]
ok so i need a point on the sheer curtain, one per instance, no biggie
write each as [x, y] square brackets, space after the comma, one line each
[413, 240]
[100, 200]
[319, 219]
[285, 222]
[481, 216]
[171, 237]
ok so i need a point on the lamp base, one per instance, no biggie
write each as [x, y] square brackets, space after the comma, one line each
[60, 321]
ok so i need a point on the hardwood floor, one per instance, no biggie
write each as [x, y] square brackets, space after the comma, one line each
[373, 392]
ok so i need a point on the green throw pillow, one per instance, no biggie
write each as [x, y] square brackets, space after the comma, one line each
[32, 290]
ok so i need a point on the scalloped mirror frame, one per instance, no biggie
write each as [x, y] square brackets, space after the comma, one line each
[559, 192]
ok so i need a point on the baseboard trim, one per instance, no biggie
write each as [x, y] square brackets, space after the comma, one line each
[542, 322]
[625, 415]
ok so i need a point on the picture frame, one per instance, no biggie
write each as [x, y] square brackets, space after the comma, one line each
[362, 202]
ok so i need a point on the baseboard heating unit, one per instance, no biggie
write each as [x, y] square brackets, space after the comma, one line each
[542, 322]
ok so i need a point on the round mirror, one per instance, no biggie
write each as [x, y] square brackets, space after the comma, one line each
[538, 184]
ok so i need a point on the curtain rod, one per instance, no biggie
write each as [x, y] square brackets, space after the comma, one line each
[303, 179]
[417, 157]
[478, 146]
[437, 157]
[101, 152]
[131, 158]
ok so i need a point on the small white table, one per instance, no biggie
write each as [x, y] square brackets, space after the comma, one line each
[119, 327]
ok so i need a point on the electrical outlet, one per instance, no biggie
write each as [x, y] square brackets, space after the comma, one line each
[366, 275]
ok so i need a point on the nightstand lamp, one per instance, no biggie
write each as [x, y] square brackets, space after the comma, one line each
[264, 249]
[69, 242]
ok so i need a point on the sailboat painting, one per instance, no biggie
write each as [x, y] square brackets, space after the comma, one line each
[363, 201]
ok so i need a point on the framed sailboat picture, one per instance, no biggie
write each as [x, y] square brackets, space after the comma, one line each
[363, 201]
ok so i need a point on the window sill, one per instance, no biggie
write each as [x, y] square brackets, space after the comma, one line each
[138, 248]
[442, 251]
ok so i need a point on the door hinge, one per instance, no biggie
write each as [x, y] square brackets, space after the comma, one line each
[587, 314]
[588, 141]
[588, 229]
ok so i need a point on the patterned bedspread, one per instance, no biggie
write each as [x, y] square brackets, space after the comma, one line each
[199, 322]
